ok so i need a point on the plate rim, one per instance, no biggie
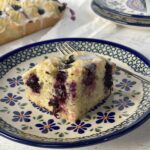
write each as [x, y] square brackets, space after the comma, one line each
[118, 21]
[86, 142]
[115, 20]
[123, 14]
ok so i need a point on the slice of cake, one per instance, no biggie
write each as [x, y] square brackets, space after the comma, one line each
[69, 86]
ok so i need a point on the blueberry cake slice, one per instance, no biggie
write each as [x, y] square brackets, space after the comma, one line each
[22, 17]
[70, 86]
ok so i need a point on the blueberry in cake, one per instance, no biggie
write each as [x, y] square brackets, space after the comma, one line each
[19, 18]
[70, 86]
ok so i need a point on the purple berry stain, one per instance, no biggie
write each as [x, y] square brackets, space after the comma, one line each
[63, 7]
[60, 93]
[73, 88]
[32, 82]
[67, 63]
[72, 12]
[108, 76]
[90, 75]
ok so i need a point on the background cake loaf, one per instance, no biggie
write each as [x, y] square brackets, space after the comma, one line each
[22, 17]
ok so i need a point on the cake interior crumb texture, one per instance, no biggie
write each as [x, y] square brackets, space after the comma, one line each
[69, 86]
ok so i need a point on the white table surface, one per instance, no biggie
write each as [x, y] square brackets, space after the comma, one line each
[88, 24]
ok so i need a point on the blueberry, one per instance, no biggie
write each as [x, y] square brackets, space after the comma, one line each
[56, 106]
[16, 7]
[1, 12]
[60, 92]
[70, 59]
[53, 103]
[62, 8]
[90, 75]
[108, 76]
[30, 21]
[61, 76]
[32, 82]
[41, 11]
[67, 63]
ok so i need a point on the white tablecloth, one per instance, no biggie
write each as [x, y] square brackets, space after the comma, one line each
[88, 24]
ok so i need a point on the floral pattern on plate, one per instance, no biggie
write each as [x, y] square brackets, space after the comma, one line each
[49, 126]
[134, 7]
[105, 117]
[19, 116]
[15, 81]
[11, 99]
[130, 13]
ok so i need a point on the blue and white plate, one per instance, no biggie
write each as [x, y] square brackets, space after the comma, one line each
[24, 122]
[125, 12]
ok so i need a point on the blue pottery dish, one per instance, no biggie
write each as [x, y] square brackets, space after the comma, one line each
[124, 12]
[127, 108]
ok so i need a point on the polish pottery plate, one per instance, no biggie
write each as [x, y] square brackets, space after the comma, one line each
[125, 12]
[24, 122]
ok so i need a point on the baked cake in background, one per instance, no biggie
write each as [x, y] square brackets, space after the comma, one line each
[22, 17]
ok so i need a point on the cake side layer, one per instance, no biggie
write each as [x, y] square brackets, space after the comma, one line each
[46, 72]
[89, 80]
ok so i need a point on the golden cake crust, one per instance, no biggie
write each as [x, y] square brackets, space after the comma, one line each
[15, 24]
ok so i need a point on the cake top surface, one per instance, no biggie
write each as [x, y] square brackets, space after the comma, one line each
[24, 11]
[75, 59]
[68, 63]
